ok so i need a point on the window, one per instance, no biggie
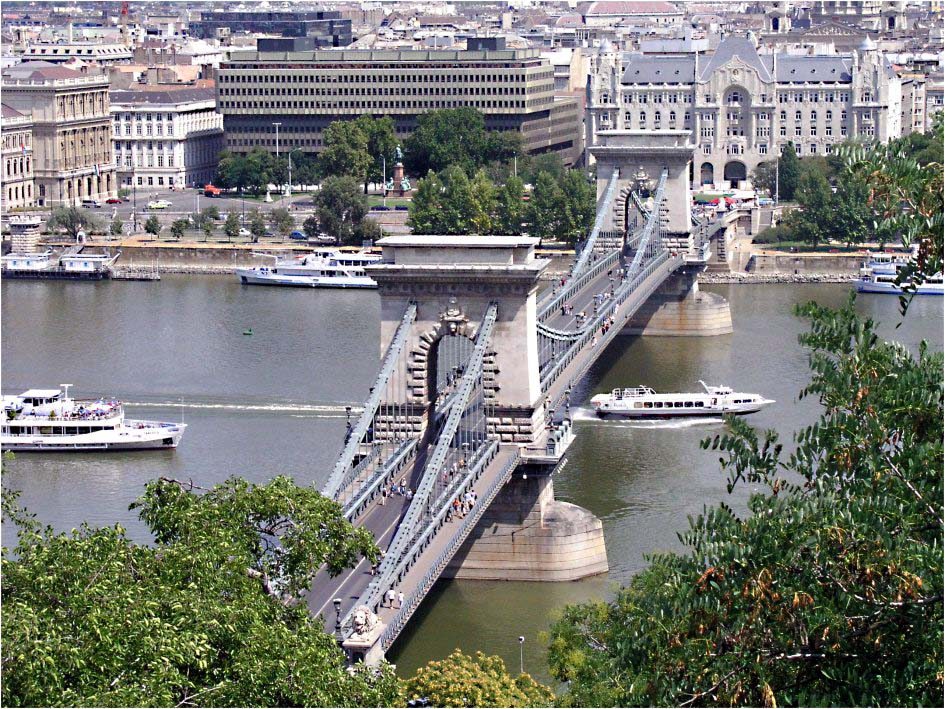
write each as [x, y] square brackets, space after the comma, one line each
[672, 119]
[708, 131]
[813, 130]
[797, 132]
[783, 115]
[828, 149]
[762, 148]
[797, 115]
[828, 130]
[735, 98]
[706, 149]
[783, 131]
[160, 180]
[762, 116]
[830, 97]
[813, 116]
[151, 181]
[829, 115]
[843, 130]
[843, 116]
[686, 119]
[644, 98]
[764, 98]
[813, 149]
[798, 148]
[708, 98]
[642, 119]
[763, 131]
[656, 119]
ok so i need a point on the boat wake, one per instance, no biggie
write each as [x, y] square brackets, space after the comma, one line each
[297, 410]
[588, 415]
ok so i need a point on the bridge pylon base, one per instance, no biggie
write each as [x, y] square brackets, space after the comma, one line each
[679, 309]
[527, 535]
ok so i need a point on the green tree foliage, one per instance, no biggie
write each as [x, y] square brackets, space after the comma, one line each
[544, 207]
[340, 207]
[117, 227]
[310, 227]
[789, 172]
[812, 222]
[153, 225]
[368, 230]
[178, 227]
[257, 225]
[211, 614]
[72, 220]
[346, 151]
[829, 591]
[231, 227]
[281, 220]
[456, 137]
[381, 143]
[532, 166]
[458, 203]
[479, 681]
[510, 209]
[579, 206]
[208, 226]
[210, 213]
[763, 177]
[426, 216]
[484, 204]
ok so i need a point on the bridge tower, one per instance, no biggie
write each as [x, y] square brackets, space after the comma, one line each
[452, 280]
[638, 157]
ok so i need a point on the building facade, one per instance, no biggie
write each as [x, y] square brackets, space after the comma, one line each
[18, 185]
[72, 133]
[327, 26]
[742, 108]
[166, 137]
[307, 90]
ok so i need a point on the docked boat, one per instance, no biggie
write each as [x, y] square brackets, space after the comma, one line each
[885, 262]
[67, 266]
[882, 280]
[644, 403]
[50, 420]
[325, 268]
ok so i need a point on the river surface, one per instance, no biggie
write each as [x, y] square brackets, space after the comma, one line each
[274, 403]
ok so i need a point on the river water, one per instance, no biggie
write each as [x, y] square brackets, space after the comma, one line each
[274, 403]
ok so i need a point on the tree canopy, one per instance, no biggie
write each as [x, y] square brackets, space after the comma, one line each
[789, 172]
[457, 137]
[340, 208]
[73, 220]
[829, 590]
[208, 615]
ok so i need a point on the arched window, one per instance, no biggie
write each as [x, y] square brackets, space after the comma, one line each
[656, 119]
[783, 115]
[642, 119]
[829, 115]
[813, 115]
[797, 115]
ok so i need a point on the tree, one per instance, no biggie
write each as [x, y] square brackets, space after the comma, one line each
[178, 227]
[73, 220]
[257, 225]
[458, 204]
[310, 227]
[578, 206]
[281, 220]
[764, 177]
[231, 227]
[368, 230]
[117, 227]
[233, 172]
[534, 165]
[829, 590]
[212, 613]
[210, 213]
[208, 227]
[484, 204]
[340, 207]
[153, 226]
[425, 215]
[851, 218]
[381, 143]
[510, 209]
[346, 151]
[480, 681]
[544, 207]
[444, 138]
[812, 221]
[789, 172]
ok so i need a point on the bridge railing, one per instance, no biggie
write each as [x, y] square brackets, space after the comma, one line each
[412, 602]
[341, 475]
[383, 476]
[574, 284]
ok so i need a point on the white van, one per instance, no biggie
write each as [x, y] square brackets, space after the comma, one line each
[92, 203]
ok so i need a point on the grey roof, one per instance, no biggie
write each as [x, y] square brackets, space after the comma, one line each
[730, 47]
[797, 69]
[656, 69]
[162, 96]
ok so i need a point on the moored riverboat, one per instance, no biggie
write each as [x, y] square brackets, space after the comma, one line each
[325, 268]
[642, 402]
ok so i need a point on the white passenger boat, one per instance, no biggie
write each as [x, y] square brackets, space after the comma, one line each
[883, 281]
[325, 268]
[49, 420]
[883, 262]
[644, 403]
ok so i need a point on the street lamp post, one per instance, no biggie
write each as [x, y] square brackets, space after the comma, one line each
[384, 178]
[521, 654]
[134, 194]
[277, 146]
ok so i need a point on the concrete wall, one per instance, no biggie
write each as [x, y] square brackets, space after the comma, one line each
[805, 263]
[212, 258]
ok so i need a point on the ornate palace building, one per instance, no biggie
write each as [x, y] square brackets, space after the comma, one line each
[72, 130]
[741, 107]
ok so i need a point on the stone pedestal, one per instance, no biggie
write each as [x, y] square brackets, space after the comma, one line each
[680, 309]
[24, 235]
[527, 535]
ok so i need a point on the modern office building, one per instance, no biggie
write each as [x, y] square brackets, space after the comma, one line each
[742, 107]
[327, 26]
[18, 185]
[72, 132]
[166, 136]
[306, 90]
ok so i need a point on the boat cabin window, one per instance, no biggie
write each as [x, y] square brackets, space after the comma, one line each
[678, 404]
[647, 404]
[689, 404]
[638, 404]
[658, 405]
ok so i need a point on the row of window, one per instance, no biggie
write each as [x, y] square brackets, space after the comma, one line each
[736, 98]
[382, 91]
[739, 149]
[430, 76]
[381, 106]
[17, 166]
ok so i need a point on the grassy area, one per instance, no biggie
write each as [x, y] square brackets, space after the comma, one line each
[803, 246]
[375, 200]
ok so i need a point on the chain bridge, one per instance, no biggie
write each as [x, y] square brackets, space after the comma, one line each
[470, 411]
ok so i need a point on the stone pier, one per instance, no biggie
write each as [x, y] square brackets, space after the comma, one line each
[680, 309]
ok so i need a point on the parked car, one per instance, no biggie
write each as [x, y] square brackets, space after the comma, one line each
[245, 232]
[159, 204]
[211, 191]
[114, 200]
[298, 236]
[92, 203]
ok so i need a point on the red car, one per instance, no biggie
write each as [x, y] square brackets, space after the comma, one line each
[114, 200]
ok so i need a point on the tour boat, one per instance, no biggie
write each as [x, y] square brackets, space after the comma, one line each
[644, 403]
[883, 262]
[49, 420]
[325, 268]
[884, 281]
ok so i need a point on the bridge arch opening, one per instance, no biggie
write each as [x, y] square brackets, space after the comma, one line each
[735, 173]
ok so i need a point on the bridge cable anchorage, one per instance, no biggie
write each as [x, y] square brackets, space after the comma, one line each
[462, 448]
[346, 471]
[603, 208]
